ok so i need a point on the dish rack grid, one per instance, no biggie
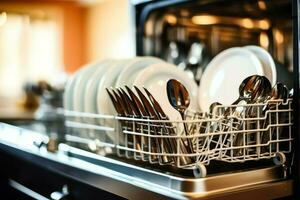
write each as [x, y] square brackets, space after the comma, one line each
[246, 132]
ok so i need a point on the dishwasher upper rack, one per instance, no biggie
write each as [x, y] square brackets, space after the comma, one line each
[247, 132]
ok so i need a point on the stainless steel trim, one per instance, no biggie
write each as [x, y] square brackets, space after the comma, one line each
[182, 185]
[25, 190]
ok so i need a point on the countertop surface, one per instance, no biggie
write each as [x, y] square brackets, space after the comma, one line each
[12, 110]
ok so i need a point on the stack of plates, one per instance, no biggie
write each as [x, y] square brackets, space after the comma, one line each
[86, 90]
[223, 75]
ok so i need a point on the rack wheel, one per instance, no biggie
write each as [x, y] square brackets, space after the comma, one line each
[199, 170]
[279, 158]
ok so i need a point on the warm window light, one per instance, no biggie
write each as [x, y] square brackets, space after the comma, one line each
[264, 24]
[204, 20]
[29, 51]
[247, 23]
[3, 18]
[264, 40]
[171, 19]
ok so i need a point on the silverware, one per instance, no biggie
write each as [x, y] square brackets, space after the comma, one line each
[211, 127]
[261, 91]
[115, 103]
[249, 89]
[132, 108]
[279, 91]
[134, 112]
[121, 103]
[180, 100]
[125, 112]
[261, 95]
[156, 105]
[147, 105]
[119, 107]
[178, 96]
[153, 115]
[169, 130]
[144, 114]
[137, 102]
[253, 89]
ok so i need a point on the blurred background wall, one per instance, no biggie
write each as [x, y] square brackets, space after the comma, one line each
[109, 30]
[49, 39]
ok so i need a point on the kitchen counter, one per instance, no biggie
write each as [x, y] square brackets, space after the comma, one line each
[12, 112]
[86, 168]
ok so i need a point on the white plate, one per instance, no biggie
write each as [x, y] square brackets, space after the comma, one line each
[267, 62]
[104, 104]
[69, 88]
[223, 75]
[68, 93]
[155, 78]
[81, 81]
[91, 88]
[131, 70]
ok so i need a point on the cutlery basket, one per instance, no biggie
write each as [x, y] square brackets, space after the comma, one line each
[245, 132]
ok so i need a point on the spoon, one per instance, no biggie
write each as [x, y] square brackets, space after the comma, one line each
[261, 94]
[253, 89]
[262, 91]
[178, 96]
[279, 91]
[246, 89]
[180, 100]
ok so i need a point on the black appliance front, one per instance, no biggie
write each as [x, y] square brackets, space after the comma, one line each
[189, 33]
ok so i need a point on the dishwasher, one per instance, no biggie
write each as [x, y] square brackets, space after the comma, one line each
[132, 164]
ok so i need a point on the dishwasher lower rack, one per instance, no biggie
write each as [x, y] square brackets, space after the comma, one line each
[246, 132]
